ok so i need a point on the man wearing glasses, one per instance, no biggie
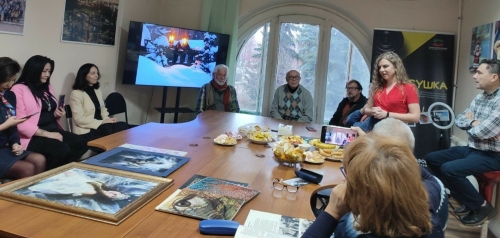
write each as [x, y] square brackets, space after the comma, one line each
[292, 101]
[354, 101]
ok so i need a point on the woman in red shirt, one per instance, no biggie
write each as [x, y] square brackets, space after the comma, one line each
[392, 94]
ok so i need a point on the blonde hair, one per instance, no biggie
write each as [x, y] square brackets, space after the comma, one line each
[378, 81]
[384, 189]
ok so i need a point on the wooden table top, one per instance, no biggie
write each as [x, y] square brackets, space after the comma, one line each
[236, 163]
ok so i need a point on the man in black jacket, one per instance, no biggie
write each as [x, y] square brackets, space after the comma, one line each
[354, 101]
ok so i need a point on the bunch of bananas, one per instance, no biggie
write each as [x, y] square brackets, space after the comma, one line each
[320, 145]
[331, 153]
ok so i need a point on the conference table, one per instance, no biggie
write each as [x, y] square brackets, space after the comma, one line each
[246, 162]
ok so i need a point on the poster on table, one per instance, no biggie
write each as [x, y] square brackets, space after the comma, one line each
[480, 45]
[87, 191]
[90, 22]
[428, 59]
[12, 16]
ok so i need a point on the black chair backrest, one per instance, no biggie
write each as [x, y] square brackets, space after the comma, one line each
[115, 103]
[69, 115]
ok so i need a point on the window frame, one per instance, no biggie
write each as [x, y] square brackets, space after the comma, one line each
[294, 13]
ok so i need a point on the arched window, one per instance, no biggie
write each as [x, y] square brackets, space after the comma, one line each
[278, 40]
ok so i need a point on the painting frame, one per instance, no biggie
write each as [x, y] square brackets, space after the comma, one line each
[481, 42]
[92, 23]
[114, 159]
[496, 41]
[14, 22]
[11, 192]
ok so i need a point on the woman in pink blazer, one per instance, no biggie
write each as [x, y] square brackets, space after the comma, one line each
[42, 132]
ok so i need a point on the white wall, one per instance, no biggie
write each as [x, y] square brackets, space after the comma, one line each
[475, 13]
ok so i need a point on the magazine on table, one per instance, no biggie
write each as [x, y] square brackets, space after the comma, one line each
[264, 224]
[139, 161]
[209, 198]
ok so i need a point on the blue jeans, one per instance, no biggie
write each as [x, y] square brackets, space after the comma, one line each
[453, 165]
[354, 119]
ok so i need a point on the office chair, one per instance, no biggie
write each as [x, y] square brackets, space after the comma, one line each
[115, 103]
[69, 115]
[321, 195]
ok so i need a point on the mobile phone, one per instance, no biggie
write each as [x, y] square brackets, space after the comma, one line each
[342, 170]
[61, 101]
[28, 116]
[310, 128]
[337, 135]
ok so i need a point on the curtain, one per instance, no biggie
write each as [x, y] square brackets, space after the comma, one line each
[221, 16]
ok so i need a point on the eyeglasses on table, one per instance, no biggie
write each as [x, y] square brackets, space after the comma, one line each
[279, 185]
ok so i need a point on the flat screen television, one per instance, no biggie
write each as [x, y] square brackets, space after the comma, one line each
[160, 55]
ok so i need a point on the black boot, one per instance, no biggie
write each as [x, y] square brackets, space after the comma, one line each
[480, 215]
[460, 211]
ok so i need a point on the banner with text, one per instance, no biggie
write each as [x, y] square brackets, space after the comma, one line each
[428, 59]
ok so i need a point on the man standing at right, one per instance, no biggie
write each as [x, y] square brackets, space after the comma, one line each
[482, 123]
[354, 101]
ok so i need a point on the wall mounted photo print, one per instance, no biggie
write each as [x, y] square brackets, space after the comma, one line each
[480, 45]
[12, 16]
[92, 192]
[90, 21]
[496, 41]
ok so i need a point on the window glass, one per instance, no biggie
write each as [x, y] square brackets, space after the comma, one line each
[298, 50]
[250, 70]
[338, 62]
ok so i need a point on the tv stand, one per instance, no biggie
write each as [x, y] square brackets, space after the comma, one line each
[176, 110]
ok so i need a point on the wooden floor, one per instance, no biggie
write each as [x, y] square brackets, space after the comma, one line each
[455, 229]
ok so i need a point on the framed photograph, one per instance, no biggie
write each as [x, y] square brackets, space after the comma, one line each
[139, 161]
[12, 16]
[90, 22]
[496, 41]
[480, 45]
[92, 192]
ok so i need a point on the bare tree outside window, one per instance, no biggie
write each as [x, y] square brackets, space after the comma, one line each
[297, 48]
[250, 70]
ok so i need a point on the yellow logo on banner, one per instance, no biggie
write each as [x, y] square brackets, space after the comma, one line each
[429, 84]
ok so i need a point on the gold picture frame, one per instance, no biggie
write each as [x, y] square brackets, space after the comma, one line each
[87, 191]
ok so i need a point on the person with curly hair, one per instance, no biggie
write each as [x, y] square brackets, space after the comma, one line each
[392, 94]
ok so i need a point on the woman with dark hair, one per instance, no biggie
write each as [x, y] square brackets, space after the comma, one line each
[90, 116]
[15, 162]
[42, 132]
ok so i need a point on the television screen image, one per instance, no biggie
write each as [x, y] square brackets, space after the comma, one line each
[160, 55]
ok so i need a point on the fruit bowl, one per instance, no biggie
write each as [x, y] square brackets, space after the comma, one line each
[288, 155]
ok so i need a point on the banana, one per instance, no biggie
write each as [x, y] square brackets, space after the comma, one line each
[329, 151]
[323, 153]
[321, 145]
[313, 141]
